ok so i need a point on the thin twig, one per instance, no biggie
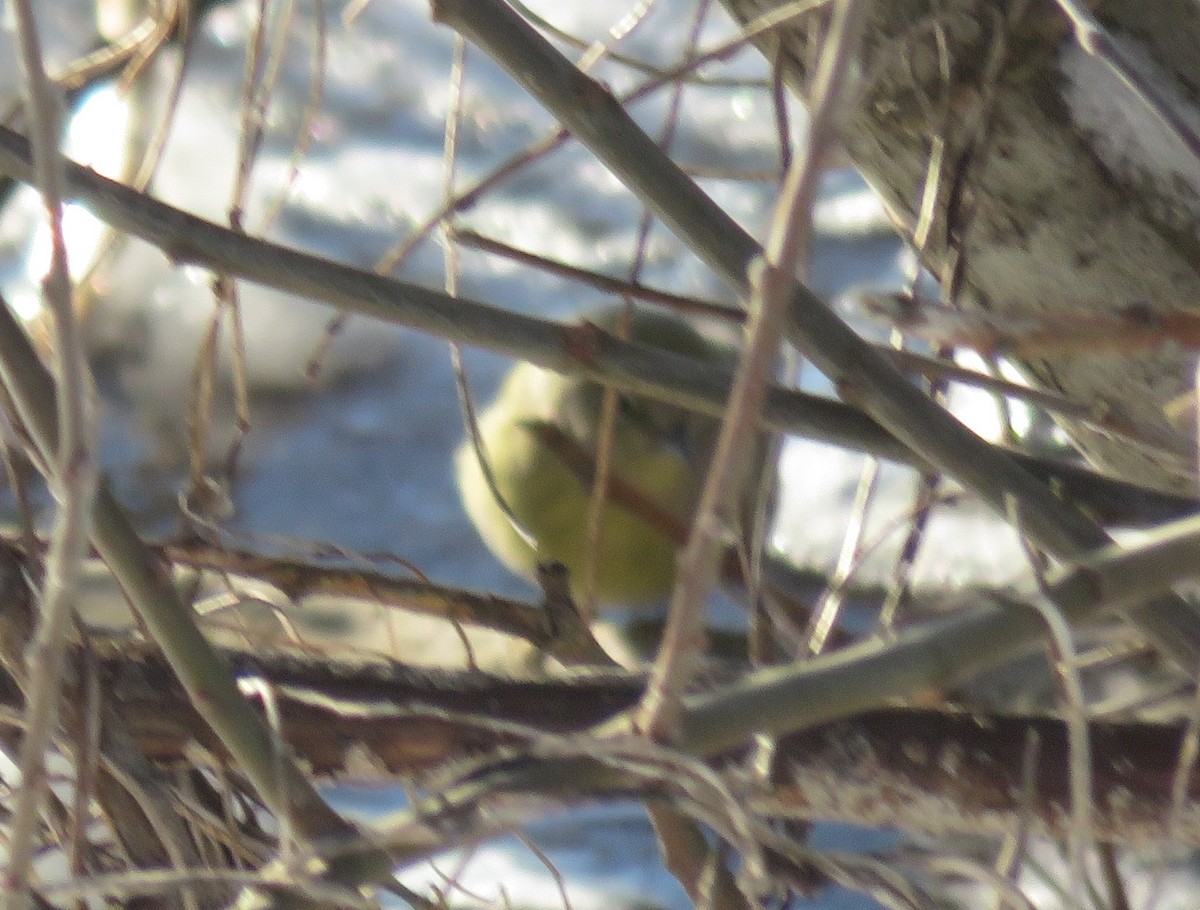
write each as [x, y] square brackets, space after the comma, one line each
[72, 477]
[1065, 665]
[929, 367]
[827, 608]
[547, 144]
[632, 63]
[786, 252]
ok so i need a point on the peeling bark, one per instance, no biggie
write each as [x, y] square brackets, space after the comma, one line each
[1045, 216]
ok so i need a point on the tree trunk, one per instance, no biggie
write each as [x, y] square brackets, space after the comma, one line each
[1066, 193]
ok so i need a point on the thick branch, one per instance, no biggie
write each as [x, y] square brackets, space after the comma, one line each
[924, 771]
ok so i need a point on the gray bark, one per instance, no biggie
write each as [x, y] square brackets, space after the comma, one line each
[1043, 218]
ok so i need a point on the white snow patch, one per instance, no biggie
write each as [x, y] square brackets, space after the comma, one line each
[853, 214]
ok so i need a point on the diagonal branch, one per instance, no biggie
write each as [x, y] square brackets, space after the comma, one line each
[859, 372]
[626, 365]
[202, 672]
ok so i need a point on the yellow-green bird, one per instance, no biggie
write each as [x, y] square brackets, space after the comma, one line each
[534, 430]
